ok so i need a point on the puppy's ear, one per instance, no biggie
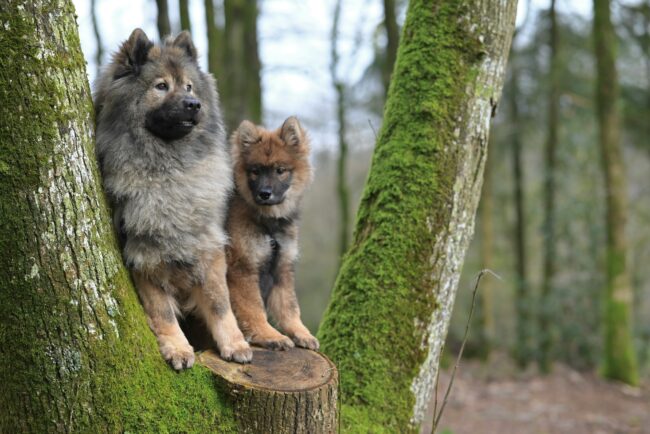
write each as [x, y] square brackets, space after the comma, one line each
[292, 133]
[246, 135]
[132, 55]
[184, 42]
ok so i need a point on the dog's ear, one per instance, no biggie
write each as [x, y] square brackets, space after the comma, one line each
[246, 135]
[132, 54]
[184, 42]
[292, 133]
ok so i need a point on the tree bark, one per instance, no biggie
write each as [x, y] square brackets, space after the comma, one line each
[392, 302]
[341, 166]
[184, 11]
[292, 391]
[619, 358]
[392, 41]
[77, 354]
[164, 28]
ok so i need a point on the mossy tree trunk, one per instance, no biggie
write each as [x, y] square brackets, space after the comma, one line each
[546, 326]
[619, 358]
[392, 300]
[342, 190]
[77, 354]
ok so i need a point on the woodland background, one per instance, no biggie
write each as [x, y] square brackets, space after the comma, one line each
[328, 62]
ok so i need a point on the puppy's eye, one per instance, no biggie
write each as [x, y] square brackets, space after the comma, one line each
[280, 170]
[188, 87]
[254, 171]
[162, 86]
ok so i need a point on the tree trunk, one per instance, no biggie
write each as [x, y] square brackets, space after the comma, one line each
[485, 309]
[341, 167]
[546, 310]
[99, 54]
[240, 88]
[215, 42]
[184, 11]
[77, 354]
[164, 28]
[620, 358]
[292, 391]
[392, 41]
[523, 306]
[392, 302]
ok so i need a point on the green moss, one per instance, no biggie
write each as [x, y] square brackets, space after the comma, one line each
[382, 297]
[77, 355]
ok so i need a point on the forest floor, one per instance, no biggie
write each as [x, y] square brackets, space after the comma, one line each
[489, 399]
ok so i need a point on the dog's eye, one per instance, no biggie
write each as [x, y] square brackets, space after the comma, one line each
[162, 86]
[188, 88]
[254, 171]
[280, 170]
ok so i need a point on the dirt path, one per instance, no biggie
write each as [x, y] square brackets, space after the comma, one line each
[566, 401]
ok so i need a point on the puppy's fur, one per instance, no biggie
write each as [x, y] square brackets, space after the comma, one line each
[272, 171]
[166, 169]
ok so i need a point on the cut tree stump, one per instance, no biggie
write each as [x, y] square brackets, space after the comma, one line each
[293, 391]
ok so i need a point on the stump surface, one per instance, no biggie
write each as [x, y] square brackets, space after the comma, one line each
[293, 391]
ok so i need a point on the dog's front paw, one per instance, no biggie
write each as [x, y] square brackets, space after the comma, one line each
[306, 340]
[239, 352]
[276, 342]
[180, 356]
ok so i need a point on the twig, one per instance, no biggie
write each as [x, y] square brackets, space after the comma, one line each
[437, 417]
[372, 127]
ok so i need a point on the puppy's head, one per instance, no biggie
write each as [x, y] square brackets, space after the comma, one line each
[271, 167]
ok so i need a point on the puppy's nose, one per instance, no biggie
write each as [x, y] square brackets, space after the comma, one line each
[264, 194]
[192, 104]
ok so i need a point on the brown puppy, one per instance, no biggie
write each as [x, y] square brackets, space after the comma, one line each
[271, 171]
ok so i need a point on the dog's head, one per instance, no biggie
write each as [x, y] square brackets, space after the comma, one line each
[160, 86]
[271, 167]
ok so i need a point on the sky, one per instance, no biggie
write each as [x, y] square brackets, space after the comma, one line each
[294, 39]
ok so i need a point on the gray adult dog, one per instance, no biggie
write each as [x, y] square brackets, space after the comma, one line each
[163, 156]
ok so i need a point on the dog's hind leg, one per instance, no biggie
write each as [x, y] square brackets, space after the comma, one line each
[213, 304]
[161, 316]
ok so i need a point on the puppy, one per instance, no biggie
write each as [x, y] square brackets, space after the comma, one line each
[271, 170]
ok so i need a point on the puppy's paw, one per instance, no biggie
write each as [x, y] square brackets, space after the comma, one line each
[239, 352]
[306, 340]
[277, 342]
[179, 356]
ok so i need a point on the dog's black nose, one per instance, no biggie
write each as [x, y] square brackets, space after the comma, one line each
[264, 194]
[192, 104]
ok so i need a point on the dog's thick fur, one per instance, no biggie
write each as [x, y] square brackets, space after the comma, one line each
[166, 170]
[272, 171]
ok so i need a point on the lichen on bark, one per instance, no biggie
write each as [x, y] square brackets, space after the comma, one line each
[393, 297]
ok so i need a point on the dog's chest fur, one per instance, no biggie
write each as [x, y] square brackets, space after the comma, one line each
[172, 215]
